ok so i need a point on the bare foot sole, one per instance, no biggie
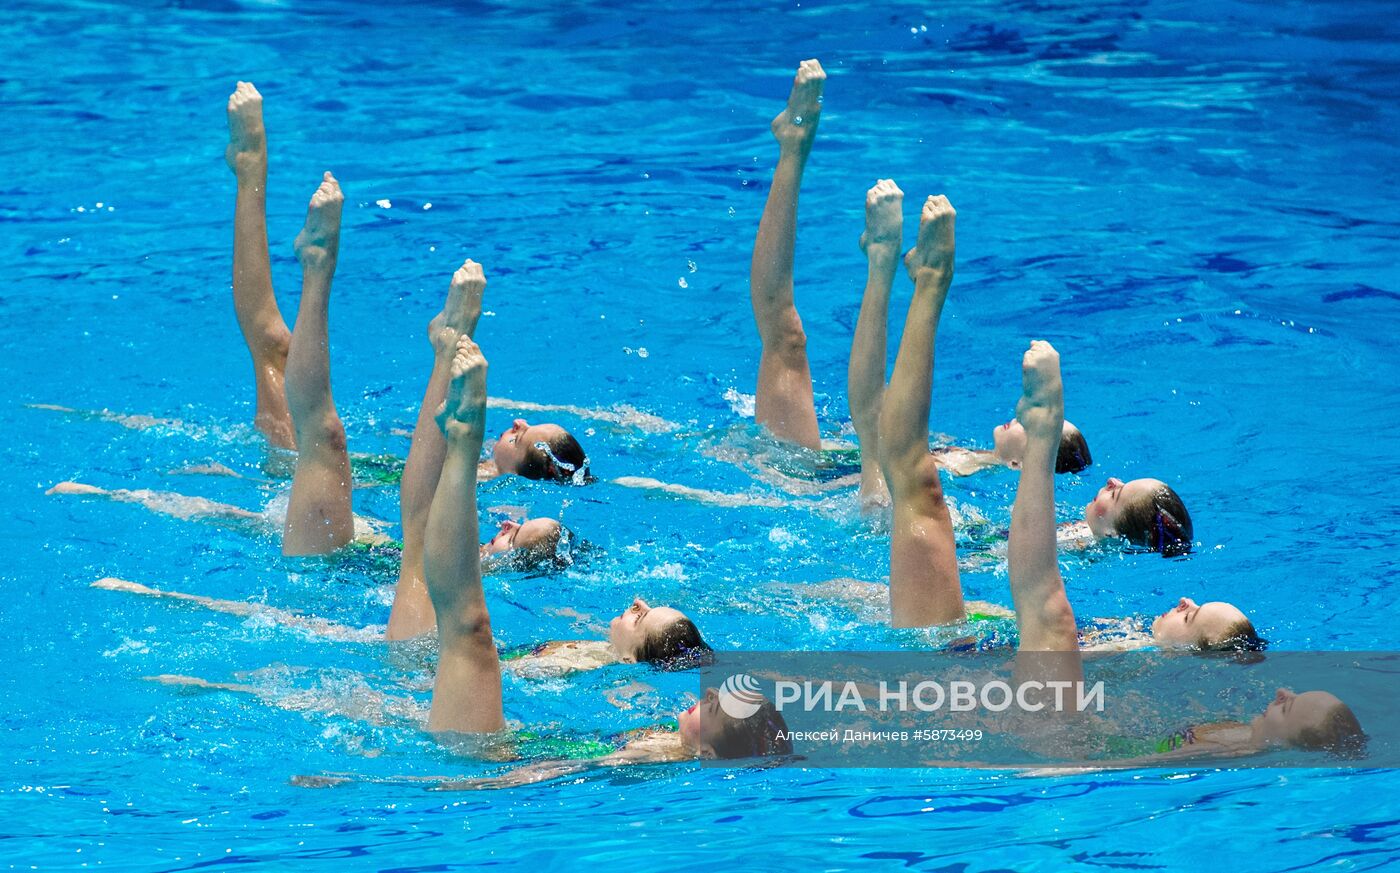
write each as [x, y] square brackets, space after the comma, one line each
[463, 307]
[884, 218]
[796, 125]
[933, 251]
[1041, 409]
[319, 240]
[247, 140]
[463, 413]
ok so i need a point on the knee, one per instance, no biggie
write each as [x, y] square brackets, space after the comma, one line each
[467, 630]
[918, 481]
[325, 432]
[786, 338]
[272, 344]
[927, 480]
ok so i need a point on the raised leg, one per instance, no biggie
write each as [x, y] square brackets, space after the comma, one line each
[924, 584]
[412, 613]
[865, 375]
[784, 401]
[467, 690]
[264, 331]
[318, 515]
[1043, 614]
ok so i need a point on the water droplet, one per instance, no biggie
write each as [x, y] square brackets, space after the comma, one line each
[642, 352]
[731, 210]
[427, 206]
[383, 204]
[691, 265]
[797, 119]
[682, 282]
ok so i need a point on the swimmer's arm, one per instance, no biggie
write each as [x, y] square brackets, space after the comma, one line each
[699, 495]
[167, 503]
[546, 771]
[1198, 751]
[133, 422]
[311, 624]
[529, 774]
[203, 684]
[188, 508]
[622, 416]
[372, 706]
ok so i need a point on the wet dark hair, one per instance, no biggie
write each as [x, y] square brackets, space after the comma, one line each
[1159, 523]
[1239, 637]
[559, 460]
[759, 735]
[1340, 733]
[1074, 452]
[678, 646]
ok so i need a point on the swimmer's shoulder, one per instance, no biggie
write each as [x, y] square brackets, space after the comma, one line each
[654, 744]
[559, 657]
[1074, 536]
[960, 461]
[1114, 635]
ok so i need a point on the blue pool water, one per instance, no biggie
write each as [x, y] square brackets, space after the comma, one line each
[1194, 202]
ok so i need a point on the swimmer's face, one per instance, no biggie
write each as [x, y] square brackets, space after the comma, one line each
[509, 451]
[1107, 507]
[638, 623]
[702, 726]
[537, 534]
[1196, 625]
[1290, 715]
[1009, 440]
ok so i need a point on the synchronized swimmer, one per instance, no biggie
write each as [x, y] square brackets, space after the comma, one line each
[442, 559]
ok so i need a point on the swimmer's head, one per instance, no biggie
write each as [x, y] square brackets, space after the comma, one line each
[1214, 627]
[1145, 512]
[1312, 720]
[540, 451]
[661, 636]
[532, 544]
[710, 732]
[1009, 440]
